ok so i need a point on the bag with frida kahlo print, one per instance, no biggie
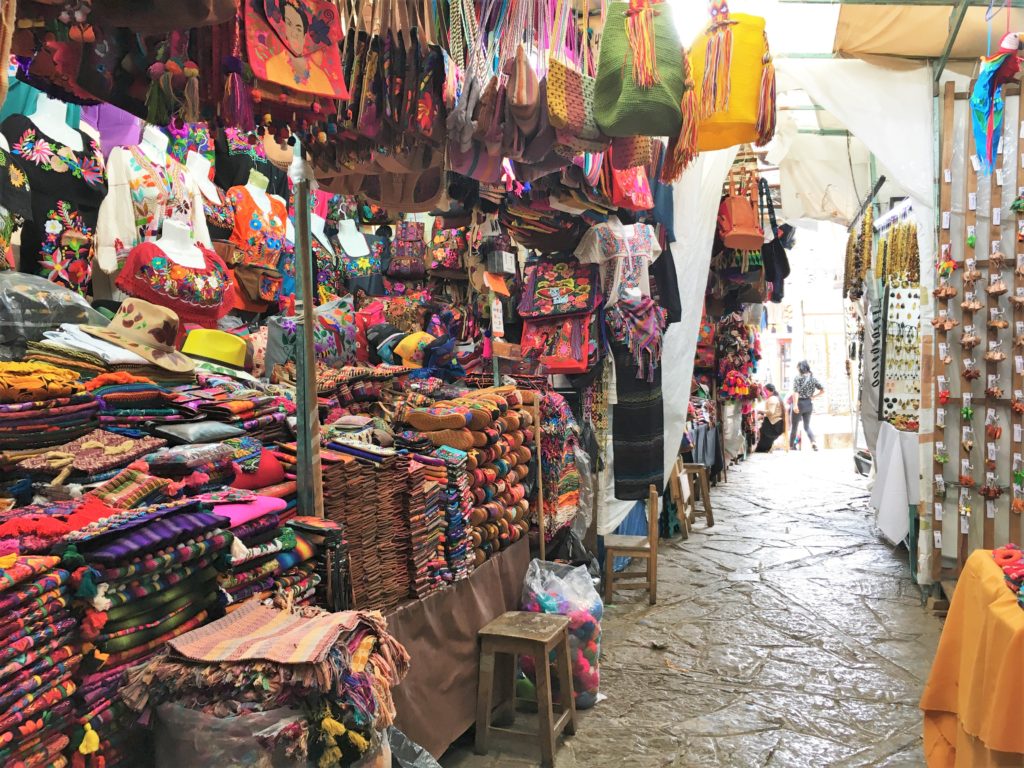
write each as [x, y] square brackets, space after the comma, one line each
[295, 44]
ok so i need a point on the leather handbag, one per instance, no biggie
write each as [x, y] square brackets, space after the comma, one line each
[773, 253]
[738, 224]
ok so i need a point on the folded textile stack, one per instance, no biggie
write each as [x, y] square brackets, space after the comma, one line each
[73, 347]
[376, 527]
[38, 528]
[92, 458]
[134, 402]
[195, 468]
[258, 540]
[424, 508]
[41, 405]
[329, 580]
[332, 675]
[145, 575]
[458, 546]
[39, 659]
[261, 410]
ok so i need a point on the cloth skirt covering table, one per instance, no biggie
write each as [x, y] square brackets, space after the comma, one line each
[897, 466]
[972, 717]
[437, 700]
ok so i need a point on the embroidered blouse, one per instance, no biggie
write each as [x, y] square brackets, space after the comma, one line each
[236, 156]
[624, 253]
[142, 195]
[258, 234]
[15, 203]
[67, 189]
[199, 296]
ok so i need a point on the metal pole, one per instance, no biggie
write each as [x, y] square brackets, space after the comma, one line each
[310, 479]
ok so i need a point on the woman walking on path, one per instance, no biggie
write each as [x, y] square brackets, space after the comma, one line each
[805, 389]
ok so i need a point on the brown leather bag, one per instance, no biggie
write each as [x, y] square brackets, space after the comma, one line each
[738, 223]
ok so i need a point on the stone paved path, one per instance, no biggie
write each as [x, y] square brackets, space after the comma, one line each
[787, 635]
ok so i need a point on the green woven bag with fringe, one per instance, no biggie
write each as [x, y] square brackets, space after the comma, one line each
[640, 71]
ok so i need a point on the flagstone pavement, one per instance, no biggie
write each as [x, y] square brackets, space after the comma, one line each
[789, 634]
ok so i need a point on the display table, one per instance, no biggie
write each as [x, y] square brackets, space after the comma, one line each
[437, 700]
[896, 487]
[972, 701]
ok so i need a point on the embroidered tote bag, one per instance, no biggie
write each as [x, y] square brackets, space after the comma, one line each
[560, 288]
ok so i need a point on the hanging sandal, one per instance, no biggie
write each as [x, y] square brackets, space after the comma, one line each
[1000, 323]
[969, 341]
[971, 306]
[971, 276]
[992, 356]
[996, 261]
[944, 291]
[997, 288]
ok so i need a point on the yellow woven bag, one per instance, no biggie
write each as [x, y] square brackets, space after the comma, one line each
[736, 93]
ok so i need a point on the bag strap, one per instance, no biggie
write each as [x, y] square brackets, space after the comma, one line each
[766, 201]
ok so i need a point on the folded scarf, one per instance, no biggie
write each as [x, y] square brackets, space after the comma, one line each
[639, 324]
[165, 559]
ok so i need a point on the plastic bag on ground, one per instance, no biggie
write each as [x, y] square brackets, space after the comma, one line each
[568, 591]
[185, 737]
[405, 753]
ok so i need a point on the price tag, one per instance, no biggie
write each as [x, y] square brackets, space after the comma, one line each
[990, 509]
[994, 312]
[1018, 394]
[975, 163]
[965, 469]
[967, 395]
[942, 381]
[972, 201]
[993, 343]
[1016, 460]
[999, 177]
[965, 525]
[971, 263]
[1017, 433]
[947, 250]
[940, 417]
[990, 413]
[937, 536]
[945, 219]
[966, 432]
[997, 219]
[1020, 291]
[1018, 364]
[940, 447]
[991, 451]
[990, 478]
[1020, 256]
[940, 484]
[969, 329]
[497, 319]
[938, 510]
[971, 232]
[994, 278]
[964, 495]
[1019, 325]
[942, 314]
[943, 349]
[947, 174]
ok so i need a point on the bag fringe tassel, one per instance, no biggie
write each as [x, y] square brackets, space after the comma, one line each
[640, 33]
[682, 149]
[716, 87]
[767, 115]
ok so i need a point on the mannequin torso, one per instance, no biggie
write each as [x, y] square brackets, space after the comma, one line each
[176, 242]
[353, 243]
[51, 118]
[154, 145]
[318, 229]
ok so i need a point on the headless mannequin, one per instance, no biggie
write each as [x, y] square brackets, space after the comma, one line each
[154, 145]
[176, 242]
[51, 118]
[199, 168]
[317, 228]
[257, 188]
[351, 241]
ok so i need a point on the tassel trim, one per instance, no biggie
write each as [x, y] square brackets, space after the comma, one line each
[767, 114]
[640, 33]
[716, 88]
[682, 149]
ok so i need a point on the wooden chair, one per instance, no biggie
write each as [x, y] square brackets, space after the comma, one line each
[645, 547]
[675, 485]
[526, 634]
[697, 478]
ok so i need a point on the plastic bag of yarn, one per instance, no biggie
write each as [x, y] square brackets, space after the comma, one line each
[570, 592]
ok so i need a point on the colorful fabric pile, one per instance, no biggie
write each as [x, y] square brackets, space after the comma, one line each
[424, 507]
[257, 541]
[39, 660]
[559, 440]
[144, 576]
[94, 457]
[335, 670]
[134, 402]
[258, 409]
[1011, 560]
[197, 468]
[458, 544]
[324, 577]
[41, 405]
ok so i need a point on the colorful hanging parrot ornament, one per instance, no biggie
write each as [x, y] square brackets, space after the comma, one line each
[987, 104]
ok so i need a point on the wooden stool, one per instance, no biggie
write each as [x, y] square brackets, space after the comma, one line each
[697, 477]
[645, 547]
[526, 634]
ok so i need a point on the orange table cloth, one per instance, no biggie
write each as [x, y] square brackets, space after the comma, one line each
[973, 713]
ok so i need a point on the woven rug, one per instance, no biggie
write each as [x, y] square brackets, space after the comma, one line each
[257, 632]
